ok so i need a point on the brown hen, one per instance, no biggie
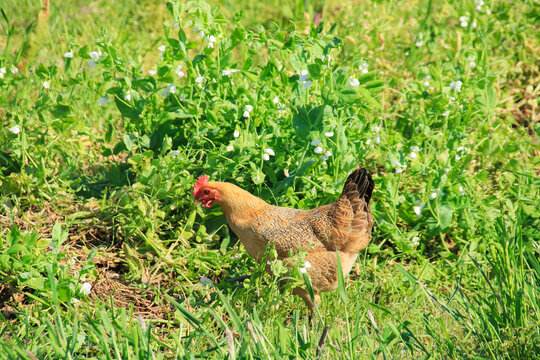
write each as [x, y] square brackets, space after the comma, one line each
[343, 226]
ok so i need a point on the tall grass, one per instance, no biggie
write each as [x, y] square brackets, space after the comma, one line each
[104, 132]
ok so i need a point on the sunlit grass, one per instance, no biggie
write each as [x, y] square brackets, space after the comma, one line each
[99, 150]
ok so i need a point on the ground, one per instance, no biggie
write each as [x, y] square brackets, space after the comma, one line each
[111, 110]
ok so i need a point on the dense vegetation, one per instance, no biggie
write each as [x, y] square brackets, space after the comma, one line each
[109, 111]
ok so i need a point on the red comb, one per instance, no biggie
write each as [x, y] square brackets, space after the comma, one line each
[201, 181]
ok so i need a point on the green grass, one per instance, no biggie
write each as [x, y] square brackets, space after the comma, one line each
[97, 165]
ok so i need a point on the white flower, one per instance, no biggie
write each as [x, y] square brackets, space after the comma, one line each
[162, 48]
[433, 194]
[14, 70]
[426, 83]
[85, 288]
[479, 2]
[328, 154]
[415, 148]
[457, 157]
[473, 24]
[176, 25]
[206, 281]
[2, 72]
[152, 71]
[413, 155]
[428, 77]
[95, 54]
[228, 72]
[329, 134]
[275, 100]
[210, 45]
[326, 58]
[170, 89]
[318, 150]
[266, 157]
[178, 71]
[91, 63]
[488, 11]
[201, 34]
[246, 114]
[69, 55]
[303, 270]
[353, 82]
[418, 209]
[248, 108]
[316, 142]
[307, 84]
[398, 166]
[307, 264]
[236, 133]
[199, 79]
[446, 113]
[127, 97]
[15, 129]
[270, 152]
[456, 85]
[364, 68]
[229, 148]
[104, 100]
[472, 64]
[174, 153]
[46, 85]
[463, 18]
[286, 172]
[461, 191]
[211, 38]
[478, 8]
[304, 76]
[464, 24]
[415, 241]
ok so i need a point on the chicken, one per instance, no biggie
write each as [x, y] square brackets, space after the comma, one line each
[343, 226]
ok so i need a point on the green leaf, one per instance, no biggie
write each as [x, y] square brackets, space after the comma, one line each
[341, 282]
[56, 233]
[445, 217]
[129, 141]
[234, 317]
[60, 111]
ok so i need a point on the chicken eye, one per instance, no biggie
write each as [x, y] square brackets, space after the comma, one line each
[206, 192]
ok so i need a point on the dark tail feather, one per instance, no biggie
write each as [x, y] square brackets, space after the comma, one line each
[359, 183]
